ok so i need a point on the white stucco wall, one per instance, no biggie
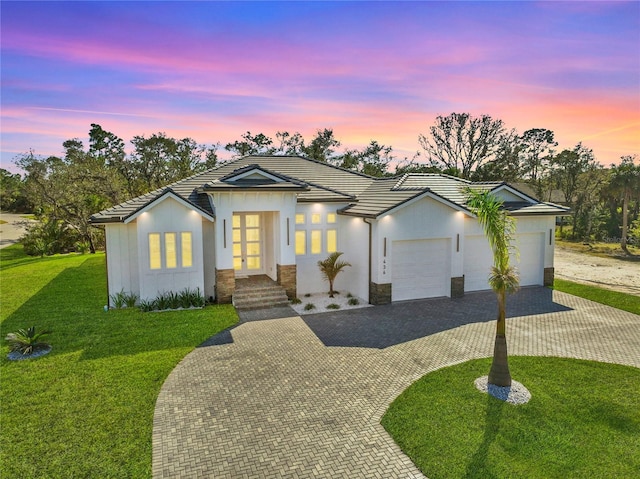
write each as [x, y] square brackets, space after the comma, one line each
[209, 257]
[168, 215]
[122, 258]
[352, 240]
[425, 218]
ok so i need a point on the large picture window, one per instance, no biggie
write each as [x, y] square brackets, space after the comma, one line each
[323, 238]
[171, 248]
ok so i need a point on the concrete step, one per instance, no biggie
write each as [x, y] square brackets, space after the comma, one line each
[259, 298]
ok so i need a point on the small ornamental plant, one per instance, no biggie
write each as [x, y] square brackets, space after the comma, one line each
[330, 268]
[27, 342]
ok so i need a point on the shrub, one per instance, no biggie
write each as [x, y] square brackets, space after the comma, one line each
[146, 305]
[48, 237]
[349, 295]
[333, 306]
[296, 301]
[82, 247]
[187, 298]
[122, 299]
[353, 301]
[27, 341]
[309, 306]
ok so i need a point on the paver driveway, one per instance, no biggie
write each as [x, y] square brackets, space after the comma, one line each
[303, 398]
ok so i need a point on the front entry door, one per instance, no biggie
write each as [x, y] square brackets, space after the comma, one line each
[247, 244]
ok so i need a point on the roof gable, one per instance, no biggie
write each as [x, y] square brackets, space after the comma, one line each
[166, 194]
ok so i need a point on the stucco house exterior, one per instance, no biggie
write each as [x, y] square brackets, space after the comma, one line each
[406, 237]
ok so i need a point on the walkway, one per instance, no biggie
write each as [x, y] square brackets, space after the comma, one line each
[294, 398]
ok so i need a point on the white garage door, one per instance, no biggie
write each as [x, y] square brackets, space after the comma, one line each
[420, 269]
[478, 259]
[531, 262]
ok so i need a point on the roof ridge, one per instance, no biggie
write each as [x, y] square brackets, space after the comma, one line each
[312, 160]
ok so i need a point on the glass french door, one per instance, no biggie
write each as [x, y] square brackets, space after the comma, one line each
[247, 243]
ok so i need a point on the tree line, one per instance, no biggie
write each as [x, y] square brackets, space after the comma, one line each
[65, 191]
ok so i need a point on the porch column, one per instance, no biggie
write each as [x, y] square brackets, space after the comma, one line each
[225, 285]
[287, 279]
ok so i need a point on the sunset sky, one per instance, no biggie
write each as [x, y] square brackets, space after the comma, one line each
[369, 70]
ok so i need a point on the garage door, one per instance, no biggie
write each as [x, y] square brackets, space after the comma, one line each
[478, 259]
[420, 269]
[531, 262]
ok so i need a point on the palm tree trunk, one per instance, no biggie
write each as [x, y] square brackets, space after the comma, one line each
[625, 208]
[331, 288]
[499, 374]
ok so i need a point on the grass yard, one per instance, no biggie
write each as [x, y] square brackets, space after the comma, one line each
[623, 301]
[583, 421]
[85, 409]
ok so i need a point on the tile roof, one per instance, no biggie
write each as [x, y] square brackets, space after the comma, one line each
[315, 181]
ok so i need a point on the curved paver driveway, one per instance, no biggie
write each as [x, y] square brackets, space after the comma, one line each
[272, 400]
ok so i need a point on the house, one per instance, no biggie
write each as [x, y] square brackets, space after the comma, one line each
[406, 237]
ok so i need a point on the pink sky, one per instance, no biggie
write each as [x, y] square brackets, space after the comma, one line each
[371, 71]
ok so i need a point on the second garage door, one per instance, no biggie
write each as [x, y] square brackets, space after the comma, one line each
[421, 269]
[478, 259]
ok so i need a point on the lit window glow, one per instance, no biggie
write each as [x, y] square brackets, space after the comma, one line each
[316, 218]
[301, 242]
[332, 241]
[170, 250]
[331, 217]
[187, 255]
[155, 261]
[316, 241]
[300, 218]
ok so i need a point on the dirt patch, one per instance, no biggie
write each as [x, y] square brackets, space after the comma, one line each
[610, 273]
[14, 228]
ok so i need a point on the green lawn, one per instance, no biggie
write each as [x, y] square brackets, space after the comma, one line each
[583, 421]
[623, 301]
[85, 409]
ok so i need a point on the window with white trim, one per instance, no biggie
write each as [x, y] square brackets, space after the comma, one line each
[177, 249]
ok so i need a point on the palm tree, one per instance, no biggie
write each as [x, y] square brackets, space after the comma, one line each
[499, 228]
[330, 268]
[625, 183]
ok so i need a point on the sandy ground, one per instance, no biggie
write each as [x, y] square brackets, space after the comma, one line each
[610, 273]
[12, 230]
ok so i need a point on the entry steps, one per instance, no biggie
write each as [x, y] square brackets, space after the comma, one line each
[258, 293]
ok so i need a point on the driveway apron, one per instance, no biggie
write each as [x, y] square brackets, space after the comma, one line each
[294, 398]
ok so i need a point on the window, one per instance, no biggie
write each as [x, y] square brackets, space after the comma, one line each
[155, 261]
[331, 217]
[316, 241]
[301, 242]
[316, 218]
[300, 220]
[174, 253]
[187, 255]
[170, 252]
[332, 241]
